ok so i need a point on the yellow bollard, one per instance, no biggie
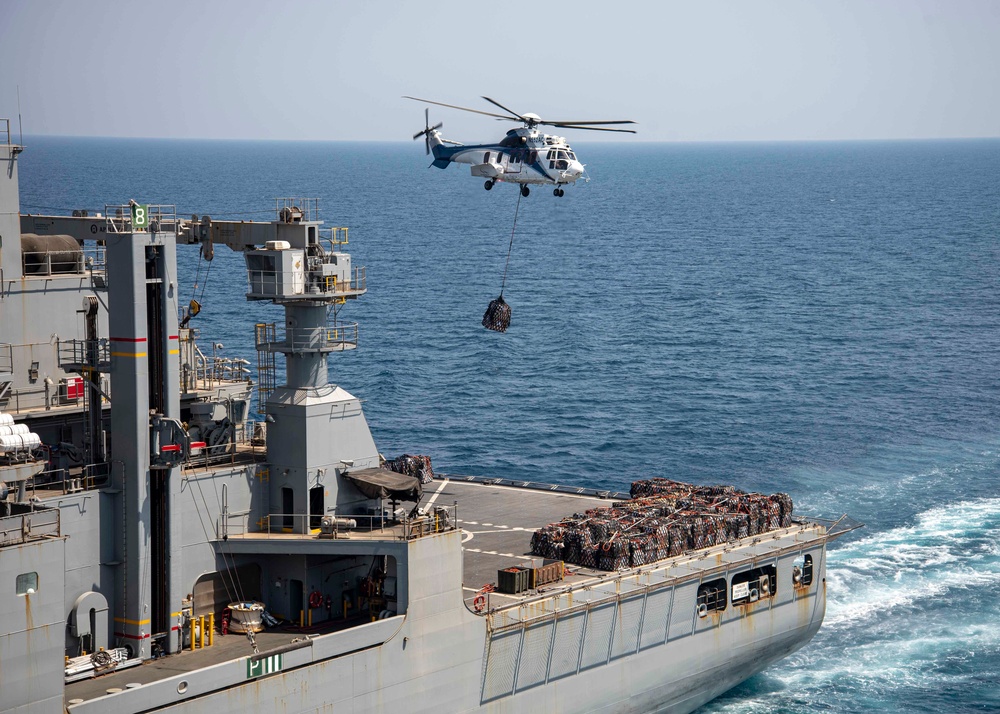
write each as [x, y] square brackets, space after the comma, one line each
[302, 618]
[310, 617]
[211, 629]
[192, 621]
[201, 632]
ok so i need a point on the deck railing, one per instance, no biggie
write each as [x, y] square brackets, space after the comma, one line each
[159, 218]
[296, 210]
[365, 525]
[6, 358]
[334, 338]
[32, 525]
[67, 481]
[77, 353]
[48, 263]
[303, 284]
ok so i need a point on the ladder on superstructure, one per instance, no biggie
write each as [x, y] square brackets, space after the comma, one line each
[264, 334]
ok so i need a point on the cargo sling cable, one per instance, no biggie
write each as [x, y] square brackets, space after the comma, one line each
[497, 316]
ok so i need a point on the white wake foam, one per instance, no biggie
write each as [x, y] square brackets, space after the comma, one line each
[947, 547]
[900, 602]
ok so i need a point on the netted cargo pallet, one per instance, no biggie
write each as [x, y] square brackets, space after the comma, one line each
[417, 466]
[663, 519]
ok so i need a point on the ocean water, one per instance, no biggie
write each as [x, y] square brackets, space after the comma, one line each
[816, 318]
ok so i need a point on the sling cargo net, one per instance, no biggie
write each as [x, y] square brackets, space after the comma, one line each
[497, 315]
[417, 466]
[663, 518]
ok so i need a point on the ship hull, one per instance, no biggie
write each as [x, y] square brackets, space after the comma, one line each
[643, 650]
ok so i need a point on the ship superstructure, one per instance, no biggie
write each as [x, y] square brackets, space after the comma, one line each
[149, 532]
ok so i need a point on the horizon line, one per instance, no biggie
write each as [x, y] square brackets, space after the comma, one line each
[620, 141]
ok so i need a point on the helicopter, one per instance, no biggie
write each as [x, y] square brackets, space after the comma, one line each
[524, 155]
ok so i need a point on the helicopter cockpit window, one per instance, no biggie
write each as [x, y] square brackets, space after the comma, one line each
[571, 155]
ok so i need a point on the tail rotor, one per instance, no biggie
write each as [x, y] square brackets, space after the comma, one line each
[426, 133]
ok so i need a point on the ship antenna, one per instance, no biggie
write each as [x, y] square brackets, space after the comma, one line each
[20, 129]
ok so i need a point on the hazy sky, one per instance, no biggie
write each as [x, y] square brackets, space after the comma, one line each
[686, 71]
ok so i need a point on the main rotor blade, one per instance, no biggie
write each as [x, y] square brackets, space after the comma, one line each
[493, 101]
[455, 106]
[573, 123]
[592, 128]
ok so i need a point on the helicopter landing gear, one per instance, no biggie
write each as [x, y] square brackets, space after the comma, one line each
[558, 192]
[489, 184]
[525, 190]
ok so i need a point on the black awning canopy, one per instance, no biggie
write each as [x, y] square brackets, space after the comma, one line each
[380, 483]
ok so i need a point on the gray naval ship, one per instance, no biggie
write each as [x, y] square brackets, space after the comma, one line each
[160, 551]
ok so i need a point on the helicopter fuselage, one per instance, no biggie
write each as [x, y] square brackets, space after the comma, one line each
[523, 156]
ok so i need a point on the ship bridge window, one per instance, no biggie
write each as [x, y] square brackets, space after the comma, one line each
[26, 583]
[711, 596]
[754, 585]
[802, 571]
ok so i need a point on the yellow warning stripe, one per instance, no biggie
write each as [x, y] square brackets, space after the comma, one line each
[173, 352]
[131, 622]
[128, 354]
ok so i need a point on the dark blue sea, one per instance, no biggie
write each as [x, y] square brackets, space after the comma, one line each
[816, 318]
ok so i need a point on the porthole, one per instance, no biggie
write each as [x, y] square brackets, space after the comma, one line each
[27, 583]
